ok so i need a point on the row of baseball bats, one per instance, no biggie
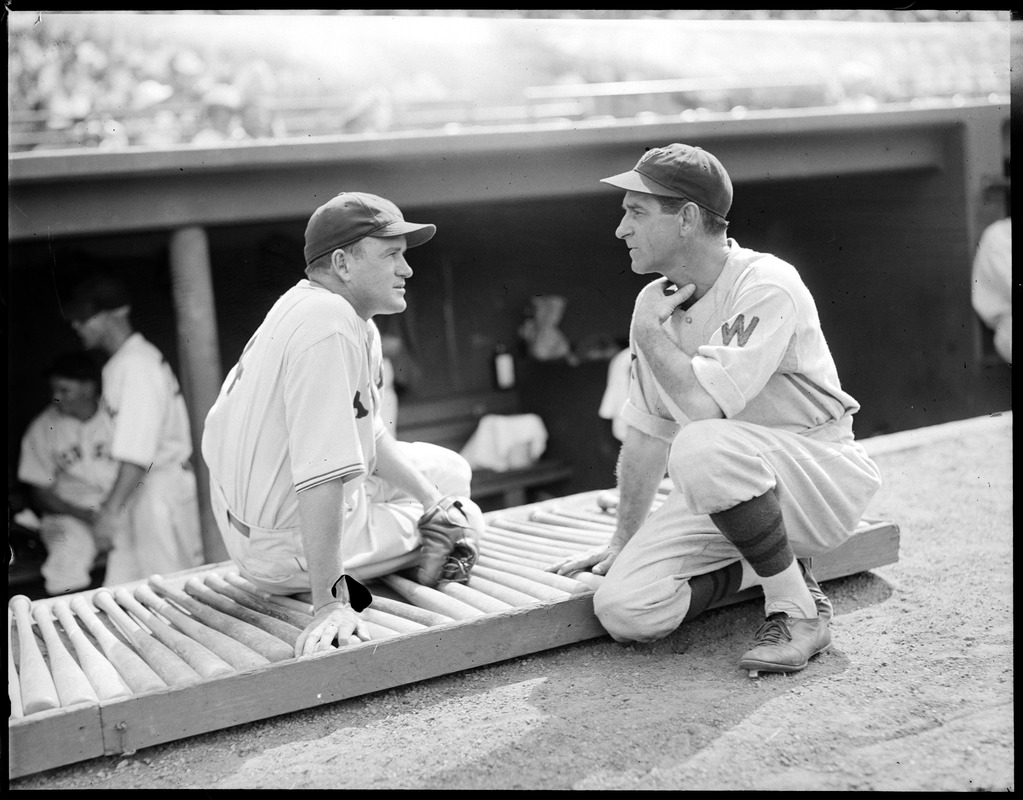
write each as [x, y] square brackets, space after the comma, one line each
[116, 642]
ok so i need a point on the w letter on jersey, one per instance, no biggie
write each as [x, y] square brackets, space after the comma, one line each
[739, 327]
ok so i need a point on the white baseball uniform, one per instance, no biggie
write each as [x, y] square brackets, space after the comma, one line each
[151, 429]
[71, 458]
[759, 351]
[992, 283]
[302, 407]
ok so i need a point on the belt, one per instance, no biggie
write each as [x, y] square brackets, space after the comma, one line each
[238, 525]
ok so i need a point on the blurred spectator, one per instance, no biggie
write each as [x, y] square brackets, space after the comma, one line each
[992, 283]
[221, 122]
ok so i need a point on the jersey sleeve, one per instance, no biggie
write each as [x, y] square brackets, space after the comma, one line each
[37, 465]
[645, 408]
[748, 347]
[320, 412]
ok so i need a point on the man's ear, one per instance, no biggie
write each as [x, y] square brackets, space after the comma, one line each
[339, 263]
[688, 218]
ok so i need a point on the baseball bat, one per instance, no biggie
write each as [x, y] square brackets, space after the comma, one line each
[370, 614]
[251, 599]
[534, 544]
[106, 680]
[171, 667]
[516, 553]
[38, 692]
[376, 631]
[207, 663]
[233, 652]
[267, 645]
[13, 686]
[284, 631]
[502, 553]
[583, 520]
[539, 560]
[473, 597]
[395, 623]
[500, 575]
[555, 535]
[495, 557]
[560, 582]
[501, 592]
[430, 599]
[139, 676]
[73, 686]
[395, 605]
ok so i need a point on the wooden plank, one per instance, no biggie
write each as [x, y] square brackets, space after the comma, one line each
[53, 739]
[164, 716]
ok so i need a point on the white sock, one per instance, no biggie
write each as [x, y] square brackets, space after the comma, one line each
[749, 577]
[787, 592]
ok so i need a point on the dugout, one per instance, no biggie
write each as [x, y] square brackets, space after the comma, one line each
[880, 211]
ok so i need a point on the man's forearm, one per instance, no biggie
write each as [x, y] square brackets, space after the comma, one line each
[321, 510]
[673, 369]
[129, 476]
[49, 502]
[641, 468]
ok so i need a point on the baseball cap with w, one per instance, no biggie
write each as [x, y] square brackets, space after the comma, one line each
[351, 216]
[680, 170]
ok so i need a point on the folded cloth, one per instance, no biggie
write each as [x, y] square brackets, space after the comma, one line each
[506, 441]
[70, 554]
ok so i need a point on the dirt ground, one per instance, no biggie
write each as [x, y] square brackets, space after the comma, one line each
[917, 694]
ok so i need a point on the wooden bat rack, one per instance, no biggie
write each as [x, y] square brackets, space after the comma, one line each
[509, 608]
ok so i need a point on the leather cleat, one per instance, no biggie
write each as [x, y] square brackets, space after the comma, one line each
[824, 608]
[786, 644]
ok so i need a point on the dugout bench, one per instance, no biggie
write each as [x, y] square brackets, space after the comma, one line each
[450, 421]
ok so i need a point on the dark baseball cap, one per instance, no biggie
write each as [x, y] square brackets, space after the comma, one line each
[98, 293]
[351, 216]
[75, 366]
[680, 170]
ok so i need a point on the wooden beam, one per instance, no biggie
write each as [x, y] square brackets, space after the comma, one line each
[199, 354]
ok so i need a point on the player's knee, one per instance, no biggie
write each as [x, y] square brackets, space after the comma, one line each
[701, 455]
[445, 468]
[630, 616]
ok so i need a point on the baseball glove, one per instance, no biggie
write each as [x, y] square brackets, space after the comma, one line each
[450, 530]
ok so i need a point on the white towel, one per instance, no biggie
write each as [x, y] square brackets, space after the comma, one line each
[506, 441]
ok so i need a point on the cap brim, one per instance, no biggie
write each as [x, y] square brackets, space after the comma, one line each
[415, 234]
[632, 181]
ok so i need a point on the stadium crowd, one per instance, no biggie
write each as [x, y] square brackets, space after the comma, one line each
[96, 87]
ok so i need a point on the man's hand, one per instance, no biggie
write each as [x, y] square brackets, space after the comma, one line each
[658, 301]
[110, 527]
[334, 621]
[597, 561]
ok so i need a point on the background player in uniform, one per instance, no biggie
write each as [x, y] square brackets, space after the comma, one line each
[735, 394]
[65, 461]
[307, 485]
[152, 512]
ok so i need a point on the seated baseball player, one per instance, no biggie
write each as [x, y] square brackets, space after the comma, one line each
[735, 395]
[65, 461]
[310, 491]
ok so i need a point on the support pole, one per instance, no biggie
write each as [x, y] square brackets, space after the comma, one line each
[199, 355]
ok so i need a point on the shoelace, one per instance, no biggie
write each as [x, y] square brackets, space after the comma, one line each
[774, 631]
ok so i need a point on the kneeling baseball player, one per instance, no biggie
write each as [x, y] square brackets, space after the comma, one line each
[735, 395]
[310, 491]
